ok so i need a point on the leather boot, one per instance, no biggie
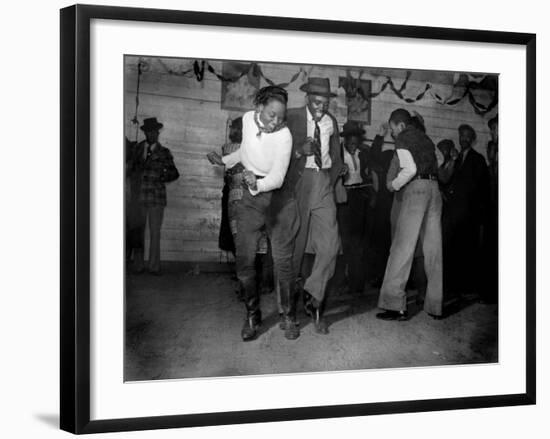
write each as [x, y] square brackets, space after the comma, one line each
[253, 315]
[288, 305]
[315, 310]
[251, 325]
[321, 326]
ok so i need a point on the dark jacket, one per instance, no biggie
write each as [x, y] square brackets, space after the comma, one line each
[468, 190]
[380, 162]
[152, 173]
[297, 124]
[421, 148]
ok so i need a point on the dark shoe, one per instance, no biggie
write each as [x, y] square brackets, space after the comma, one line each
[399, 316]
[291, 328]
[321, 326]
[283, 322]
[309, 304]
[436, 317]
[250, 328]
[315, 310]
[287, 322]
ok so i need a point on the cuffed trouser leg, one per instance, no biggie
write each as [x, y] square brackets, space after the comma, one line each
[416, 201]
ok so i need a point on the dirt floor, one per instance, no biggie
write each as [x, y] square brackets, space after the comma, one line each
[187, 324]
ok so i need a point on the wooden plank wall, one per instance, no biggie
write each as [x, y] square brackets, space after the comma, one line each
[194, 124]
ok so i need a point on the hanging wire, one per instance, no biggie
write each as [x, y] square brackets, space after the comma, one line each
[140, 67]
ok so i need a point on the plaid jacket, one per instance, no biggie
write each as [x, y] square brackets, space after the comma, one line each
[152, 173]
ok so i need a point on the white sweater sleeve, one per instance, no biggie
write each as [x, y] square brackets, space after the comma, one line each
[232, 159]
[408, 169]
[276, 176]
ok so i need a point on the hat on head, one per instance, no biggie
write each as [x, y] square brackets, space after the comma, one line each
[352, 128]
[151, 124]
[318, 86]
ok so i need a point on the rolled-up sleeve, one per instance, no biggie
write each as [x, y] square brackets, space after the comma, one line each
[408, 169]
[276, 176]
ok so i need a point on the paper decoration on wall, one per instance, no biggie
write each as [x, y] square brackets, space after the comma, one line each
[358, 100]
[239, 94]
[245, 77]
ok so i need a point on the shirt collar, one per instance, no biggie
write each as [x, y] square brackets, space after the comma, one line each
[257, 118]
[310, 116]
[349, 153]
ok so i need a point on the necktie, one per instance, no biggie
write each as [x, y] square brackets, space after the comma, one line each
[149, 152]
[317, 146]
[354, 160]
[460, 160]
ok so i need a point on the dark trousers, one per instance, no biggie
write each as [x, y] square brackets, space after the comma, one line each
[462, 250]
[134, 230]
[281, 223]
[154, 216]
[380, 235]
[352, 223]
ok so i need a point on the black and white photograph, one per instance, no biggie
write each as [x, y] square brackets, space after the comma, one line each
[285, 218]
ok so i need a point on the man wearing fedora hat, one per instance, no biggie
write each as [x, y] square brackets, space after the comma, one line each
[316, 164]
[152, 167]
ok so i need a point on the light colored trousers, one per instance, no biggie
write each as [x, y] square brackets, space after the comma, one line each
[154, 216]
[318, 224]
[418, 219]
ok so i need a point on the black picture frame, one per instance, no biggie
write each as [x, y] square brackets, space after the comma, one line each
[75, 217]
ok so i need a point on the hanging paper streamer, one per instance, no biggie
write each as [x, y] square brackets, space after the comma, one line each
[467, 82]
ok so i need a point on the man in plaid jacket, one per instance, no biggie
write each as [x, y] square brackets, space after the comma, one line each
[152, 167]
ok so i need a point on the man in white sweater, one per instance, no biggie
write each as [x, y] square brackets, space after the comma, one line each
[265, 154]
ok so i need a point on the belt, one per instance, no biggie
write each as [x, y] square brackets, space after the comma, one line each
[317, 169]
[357, 186]
[425, 177]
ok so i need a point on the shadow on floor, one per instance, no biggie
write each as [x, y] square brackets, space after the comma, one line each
[51, 420]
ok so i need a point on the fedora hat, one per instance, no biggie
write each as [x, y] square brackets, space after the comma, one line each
[318, 86]
[351, 128]
[151, 124]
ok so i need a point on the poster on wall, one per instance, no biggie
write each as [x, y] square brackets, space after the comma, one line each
[357, 98]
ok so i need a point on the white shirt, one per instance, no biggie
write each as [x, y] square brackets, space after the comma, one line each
[152, 148]
[354, 169]
[267, 155]
[327, 129]
[408, 169]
